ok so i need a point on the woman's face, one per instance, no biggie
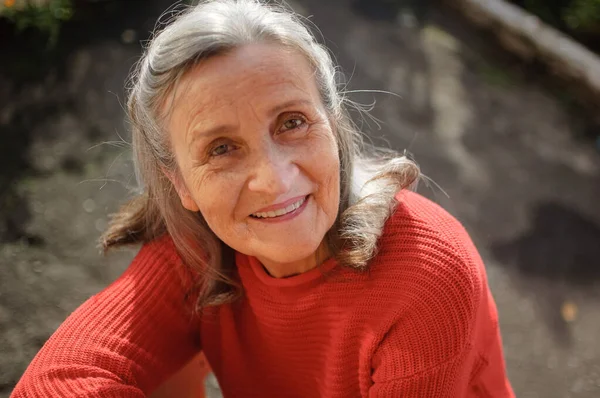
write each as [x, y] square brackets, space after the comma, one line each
[257, 154]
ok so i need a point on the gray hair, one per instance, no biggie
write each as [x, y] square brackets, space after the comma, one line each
[367, 185]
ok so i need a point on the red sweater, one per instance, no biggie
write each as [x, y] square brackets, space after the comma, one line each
[420, 323]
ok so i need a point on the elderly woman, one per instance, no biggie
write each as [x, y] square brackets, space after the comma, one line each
[263, 246]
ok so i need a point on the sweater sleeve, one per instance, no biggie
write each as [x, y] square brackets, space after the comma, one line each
[124, 341]
[427, 351]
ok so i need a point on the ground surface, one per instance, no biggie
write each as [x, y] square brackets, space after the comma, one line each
[515, 162]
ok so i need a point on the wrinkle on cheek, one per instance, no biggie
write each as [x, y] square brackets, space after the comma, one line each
[198, 178]
[218, 191]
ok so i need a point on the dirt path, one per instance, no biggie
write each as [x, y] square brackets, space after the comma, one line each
[516, 166]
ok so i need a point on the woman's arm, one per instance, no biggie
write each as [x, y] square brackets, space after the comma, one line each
[428, 350]
[442, 340]
[124, 341]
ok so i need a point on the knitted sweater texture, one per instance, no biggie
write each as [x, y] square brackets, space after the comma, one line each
[421, 322]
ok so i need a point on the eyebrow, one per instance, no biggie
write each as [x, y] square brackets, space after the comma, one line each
[215, 131]
[288, 104]
[224, 129]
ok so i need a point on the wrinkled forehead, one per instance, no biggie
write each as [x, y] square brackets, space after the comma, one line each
[259, 74]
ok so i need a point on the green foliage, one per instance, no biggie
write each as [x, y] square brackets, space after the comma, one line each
[548, 10]
[583, 14]
[571, 15]
[496, 76]
[46, 16]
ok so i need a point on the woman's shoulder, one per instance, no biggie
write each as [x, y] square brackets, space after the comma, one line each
[422, 244]
[157, 253]
[418, 220]
[430, 283]
[160, 259]
[418, 211]
[163, 245]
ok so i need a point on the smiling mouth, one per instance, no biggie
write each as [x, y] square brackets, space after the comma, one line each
[280, 212]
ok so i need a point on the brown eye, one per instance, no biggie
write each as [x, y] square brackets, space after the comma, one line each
[292, 123]
[221, 150]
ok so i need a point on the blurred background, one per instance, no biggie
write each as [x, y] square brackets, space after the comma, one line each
[512, 146]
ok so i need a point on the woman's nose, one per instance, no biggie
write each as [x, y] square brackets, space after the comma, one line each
[274, 173]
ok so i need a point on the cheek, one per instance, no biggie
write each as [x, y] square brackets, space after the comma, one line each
[216, 196]
[328, 168]
[324, 166]
[333, 180]
[333, 187]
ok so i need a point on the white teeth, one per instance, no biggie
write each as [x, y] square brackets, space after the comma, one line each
[280, 212]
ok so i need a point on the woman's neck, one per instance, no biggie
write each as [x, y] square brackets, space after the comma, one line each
[286, 270]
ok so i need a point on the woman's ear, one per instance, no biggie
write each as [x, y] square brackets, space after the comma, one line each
[182, 191]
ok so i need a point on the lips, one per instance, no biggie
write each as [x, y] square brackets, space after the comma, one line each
[281, 211]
